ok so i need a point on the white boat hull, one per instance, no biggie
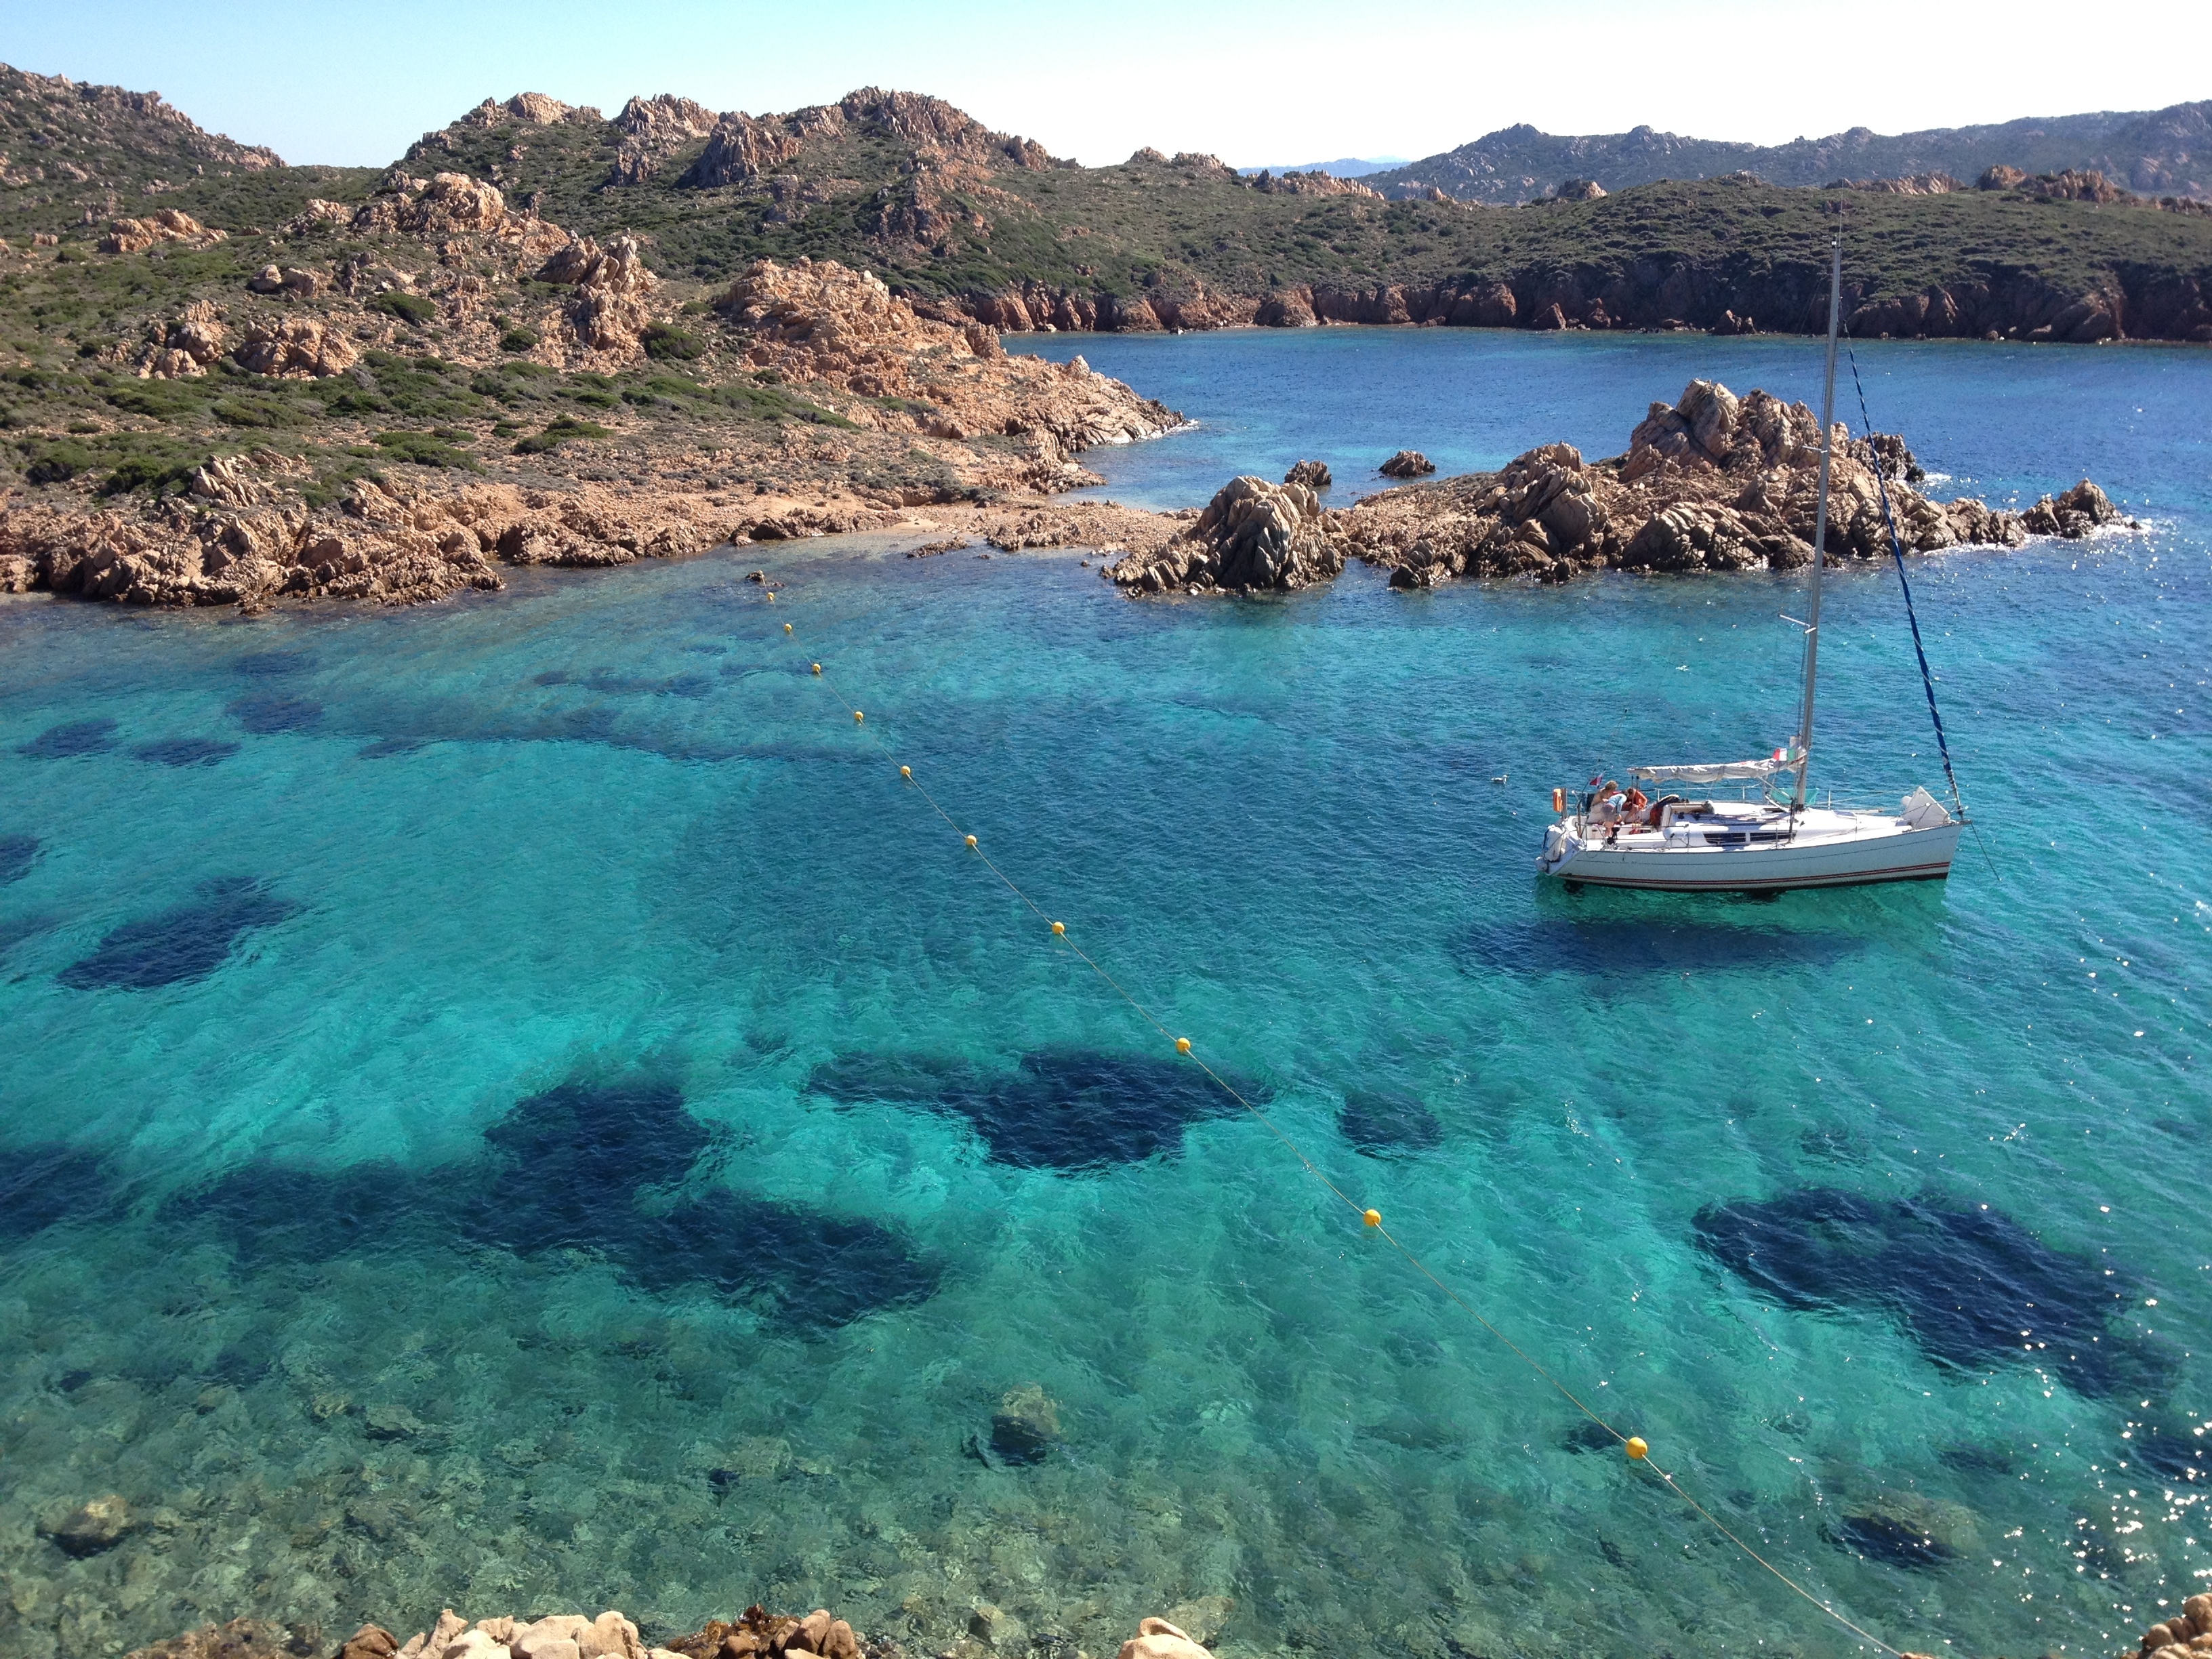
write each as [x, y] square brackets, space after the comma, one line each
[1762, 853]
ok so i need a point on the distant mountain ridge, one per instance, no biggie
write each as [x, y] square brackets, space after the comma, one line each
[2166, 152]
[985, 227]
[1345, 166]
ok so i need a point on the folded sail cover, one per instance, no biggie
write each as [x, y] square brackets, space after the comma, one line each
[1718, 771]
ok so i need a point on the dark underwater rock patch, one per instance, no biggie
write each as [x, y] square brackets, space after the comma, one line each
[271, 665]
[42, 1185]
[266, 713]
[564, 1170]
[1972, 1286]
[607, 682]
[1387, 1122]
[273, 1212]
[2173, 1449]
[1891, 1542]
[17, 854]
[1069, 1109]
[566, 1147]
[188, 942]
[185, 751]
[14, 930]
[70, 740]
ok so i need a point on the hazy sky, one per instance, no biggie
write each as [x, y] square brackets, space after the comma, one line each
[1275, 82]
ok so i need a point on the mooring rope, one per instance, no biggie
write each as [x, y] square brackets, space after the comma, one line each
[1639, 1452]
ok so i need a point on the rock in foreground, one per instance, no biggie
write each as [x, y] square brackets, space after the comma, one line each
[820, 1635]
[92, 1528]
[755, 1633]
[2185, 1635]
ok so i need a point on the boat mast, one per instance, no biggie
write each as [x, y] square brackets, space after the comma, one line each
[1820, 529]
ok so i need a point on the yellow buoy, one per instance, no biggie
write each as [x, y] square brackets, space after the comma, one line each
[858, 717]
[1637, 1448]
[771, 599]
[906, 771]
[1059, 927]
[818, 667]
[787, 628]
[1373, 1218]
[1182, 1045]
[971, 840]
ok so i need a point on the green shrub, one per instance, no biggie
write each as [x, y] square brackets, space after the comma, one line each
[152, 471]
[596, 399]
[423, 449]
[160, 400]
[411, 307]
[256, 411]
[58, 463]
[672, 346]
[773, 402]
[518, 338]
[557, 432]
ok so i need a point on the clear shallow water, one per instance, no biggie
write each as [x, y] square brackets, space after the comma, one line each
[510, 1105]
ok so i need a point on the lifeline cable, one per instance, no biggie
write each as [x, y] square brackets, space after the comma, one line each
[1633, 1444]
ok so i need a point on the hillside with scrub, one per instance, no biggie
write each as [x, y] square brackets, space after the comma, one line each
[544, 336]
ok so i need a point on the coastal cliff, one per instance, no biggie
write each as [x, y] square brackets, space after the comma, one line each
[1712, 483]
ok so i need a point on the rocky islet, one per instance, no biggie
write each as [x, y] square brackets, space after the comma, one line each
[1711, 482]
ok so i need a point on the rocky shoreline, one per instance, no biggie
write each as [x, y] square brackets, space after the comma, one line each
[755, 1633]
[837, 407]
[1713, 483]
[796, 400]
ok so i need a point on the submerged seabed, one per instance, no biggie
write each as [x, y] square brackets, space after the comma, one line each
[512, 1105]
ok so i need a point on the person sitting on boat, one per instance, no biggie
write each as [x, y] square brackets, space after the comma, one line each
[1610, 800]
[1633, 807]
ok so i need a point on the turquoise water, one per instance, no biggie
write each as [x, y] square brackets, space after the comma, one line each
[513, 1105]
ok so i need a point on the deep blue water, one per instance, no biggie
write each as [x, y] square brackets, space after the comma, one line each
[513, 1104]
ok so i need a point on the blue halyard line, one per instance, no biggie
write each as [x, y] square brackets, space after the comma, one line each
[1896, 552]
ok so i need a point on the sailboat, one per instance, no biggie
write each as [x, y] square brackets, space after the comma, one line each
[1767, 838]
